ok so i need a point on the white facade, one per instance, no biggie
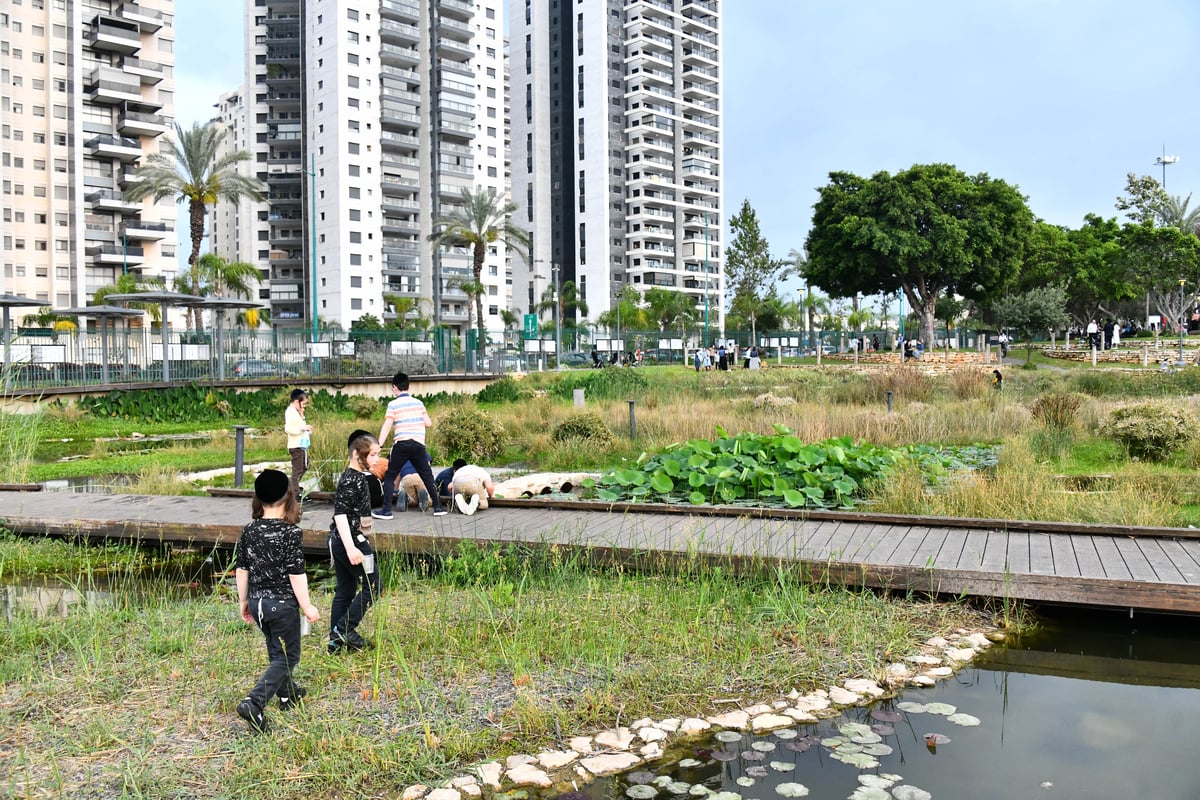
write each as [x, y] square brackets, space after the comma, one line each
[86, 90]
[617, 142]
[374, 114]
[232, 226]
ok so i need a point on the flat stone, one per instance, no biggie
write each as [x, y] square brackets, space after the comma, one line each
[463, 781]
[670, 724]
[641, 723]
[960, 653]
[618, 739]
[922, 680]
[610, 763]
[800, 716]
[556, 759]
[652, 734]
[923, 659]
[529, 775]
[936, 641]
[843, 697]
[769, 722]
[940, 672]
[489, 774]
[444, 794]
[512, 762]
[816, 701]
[737, 720]
[978, 640]
[652, 751]
[414, 791]
[472, 790]
[759, 708]
[580, 744]
[863, 686]
[692, 726]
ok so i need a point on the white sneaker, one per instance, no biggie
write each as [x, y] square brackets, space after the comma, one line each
[467, 507]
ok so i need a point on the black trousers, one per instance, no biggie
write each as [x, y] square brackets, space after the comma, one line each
[279, 621]
[356, 589]
[414, 451]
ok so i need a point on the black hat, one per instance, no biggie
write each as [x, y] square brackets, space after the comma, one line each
[271, 486]
[355, 435]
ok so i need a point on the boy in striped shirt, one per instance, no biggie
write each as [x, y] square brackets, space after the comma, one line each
[407, 419]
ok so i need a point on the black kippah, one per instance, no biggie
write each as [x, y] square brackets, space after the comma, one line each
[270, 486]
[355, 435]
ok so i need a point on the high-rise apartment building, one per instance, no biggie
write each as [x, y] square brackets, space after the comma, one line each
[616, 147]
[86, 90]
[366, 119]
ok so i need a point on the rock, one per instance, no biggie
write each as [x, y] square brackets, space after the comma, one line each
[816, 701]
[843, 697]
[779, 705]
[580, 744]
[737, 720]
[759, 708]
[960, 654]
[692, 726]
[472, 790]
[651, 734]
[610, 763]
[793, 695]
[618, 739]
[670, 725]
[556, 759]
[444, 794]
[512, 762]
[652, 751]
[770, 722]
[978, 641]
[926, 660]
[863, 686]
[940, 672]
[936, 641]
[414, 791]
[800, 716]
[463, 781]
[641, 723]
[529, 775]
[997, 636]
[489, 774]
[922, 680]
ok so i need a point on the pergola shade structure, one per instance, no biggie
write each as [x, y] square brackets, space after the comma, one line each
[102, 314]
[165, 300]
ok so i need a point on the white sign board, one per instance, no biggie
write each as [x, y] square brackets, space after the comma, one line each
[539, 345]
[604, 345]
[412, 348]
[345, 347]
[317, 349]
[48, 353]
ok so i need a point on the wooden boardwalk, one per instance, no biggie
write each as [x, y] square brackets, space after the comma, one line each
[1149, 569]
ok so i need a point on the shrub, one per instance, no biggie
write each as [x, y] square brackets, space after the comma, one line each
[908, 385]
[364, 407]
[585, 426]
[968, 384]
[467, 432]
[504, 390]
[1058, 411]
[603, 384]
[1151, 431]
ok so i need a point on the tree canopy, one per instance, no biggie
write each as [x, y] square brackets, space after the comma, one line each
[928, 231]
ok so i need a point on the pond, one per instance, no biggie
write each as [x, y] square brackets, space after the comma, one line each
[1094, 705]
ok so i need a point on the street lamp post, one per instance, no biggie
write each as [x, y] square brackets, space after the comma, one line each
[312, 224]
[706, 279]
[1164, 161]
[1182, 283]
[557, 319]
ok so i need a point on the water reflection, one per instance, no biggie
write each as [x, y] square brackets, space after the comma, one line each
[51, 600]
[1091, 706]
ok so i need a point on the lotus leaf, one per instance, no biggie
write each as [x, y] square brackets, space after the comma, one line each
[860, 760]
[763, 746]
[726, 796]
[878, 781]
[878, 750]
[661, 482]
[677, 787]
[640, 776]
[785, 733]
[852, 729]
[641, 791]
[906, 792]
[912, 708]
[783, 766]
[689, 763]
[870, 793]
[792, 790]
[757, 771]
[941, 709]
[745, 780]
[728, 736]
[966, 720]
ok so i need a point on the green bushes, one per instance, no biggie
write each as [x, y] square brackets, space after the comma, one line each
[1058, 411]
[602, 384]
[585, 426]
[504, 390]
[195, 403]
[1151, 431]
[363, 407]
[467, 432]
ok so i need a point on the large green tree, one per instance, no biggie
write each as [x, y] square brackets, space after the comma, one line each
[749, 268]
[928, 231]
[1166, 262]
[191, 168]
[1041, 309]
[484, 218]
[670, 310]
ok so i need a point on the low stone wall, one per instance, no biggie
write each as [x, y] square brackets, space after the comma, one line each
[1141, 353]
[930, 357]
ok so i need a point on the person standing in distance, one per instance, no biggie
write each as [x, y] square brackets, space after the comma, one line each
[298, 433]
[407, 418]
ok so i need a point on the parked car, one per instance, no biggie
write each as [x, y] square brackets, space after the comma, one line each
[577, 358]
[256, 368]
[658, 355]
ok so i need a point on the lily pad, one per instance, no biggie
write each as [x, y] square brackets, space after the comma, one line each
[860, 760]
[878, 750]
[727, 736]
[870, 737]
[726, 796]
[752, 755]
[699, 790]
[886, 715]
[782, 766]
[677, 787]
[884, 730]
[640, 776]
[763, 746]
[878, 781]
[966, 720]
[942, 709]
[852, 729]
[906, 792]
[689, 763]
[870, 793]
[745, 780]
[724, 755]
[834, 741]
[912, 708]
[792, 790]
[663, 780]
[797, 745]
[757, 771]
[641, 791]
[785, 733]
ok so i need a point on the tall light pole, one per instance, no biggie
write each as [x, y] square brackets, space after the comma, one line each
[557, 319]
[706, 279]
[312, 224]
[1164, 161]
[1182, 282]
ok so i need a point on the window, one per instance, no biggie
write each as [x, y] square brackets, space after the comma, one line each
[352, 81]
[356, 281]
[352, 37]
[351, 14]
[38, 58]
[352, 58]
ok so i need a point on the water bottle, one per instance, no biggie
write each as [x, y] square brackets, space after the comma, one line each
[305, 440]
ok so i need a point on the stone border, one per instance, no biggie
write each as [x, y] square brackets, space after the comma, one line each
[620, 749]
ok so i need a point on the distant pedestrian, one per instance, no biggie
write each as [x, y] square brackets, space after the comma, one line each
[350, 551]
[299, 437]
[997, 380]
[272, 588]
[407, 418]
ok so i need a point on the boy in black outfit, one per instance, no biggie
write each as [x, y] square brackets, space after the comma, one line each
[272, 591]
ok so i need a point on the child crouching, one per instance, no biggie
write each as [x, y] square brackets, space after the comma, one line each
[272, 591]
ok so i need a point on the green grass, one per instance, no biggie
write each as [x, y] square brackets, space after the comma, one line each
[499, 652]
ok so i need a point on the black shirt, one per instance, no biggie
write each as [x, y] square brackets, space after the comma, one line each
[352, 498]
[270, 550]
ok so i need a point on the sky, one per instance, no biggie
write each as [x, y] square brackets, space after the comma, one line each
[1061, 98]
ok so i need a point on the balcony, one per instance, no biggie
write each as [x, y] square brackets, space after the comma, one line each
[111, 86]
[114, 147]
[115, 254]
[399, 9]
[449, 48]
[395, 185]
[155, 231]
[148, 20]
[456, 8]
[114, 35]
[137, 123]
[454, 29]
[396, 55]
[149, 72]
[112, 200]
[391, 31]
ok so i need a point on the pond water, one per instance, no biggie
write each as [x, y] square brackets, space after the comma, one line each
[1092, 706]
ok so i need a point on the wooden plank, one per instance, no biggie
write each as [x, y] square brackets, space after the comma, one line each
[1018, 552]
[995, 552]
[1192, 550]
[1165, 570]
[1135, 560]
[1041, 557]
[815, 547]
[835, 548]
[929, 548]
[950, 553]
[972, 552]
[865, 539]
[1063, 547]
[890, 537]
[1087, 560]
[1111, 558]
[914, 537]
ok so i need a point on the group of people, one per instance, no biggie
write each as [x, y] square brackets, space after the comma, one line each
[633, 359]
[272, 583]
[718, 357]
[1103, 336]
[913, 348]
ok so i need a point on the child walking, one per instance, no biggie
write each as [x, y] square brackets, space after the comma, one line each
[272, 589]
[349, 549]
[407, 420]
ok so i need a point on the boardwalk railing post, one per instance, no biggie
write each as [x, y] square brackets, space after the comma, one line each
[889, 402]
[239, 453]
[632, 420]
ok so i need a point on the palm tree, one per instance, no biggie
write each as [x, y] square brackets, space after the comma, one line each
[1175, 214]
[568, 301]
[402, 307]
[474, 290]
[214, 275]
[484, 218]
[191, 169]
[668, 308]
[130, 284]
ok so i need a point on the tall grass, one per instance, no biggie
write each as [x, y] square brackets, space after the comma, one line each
[18, 444]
